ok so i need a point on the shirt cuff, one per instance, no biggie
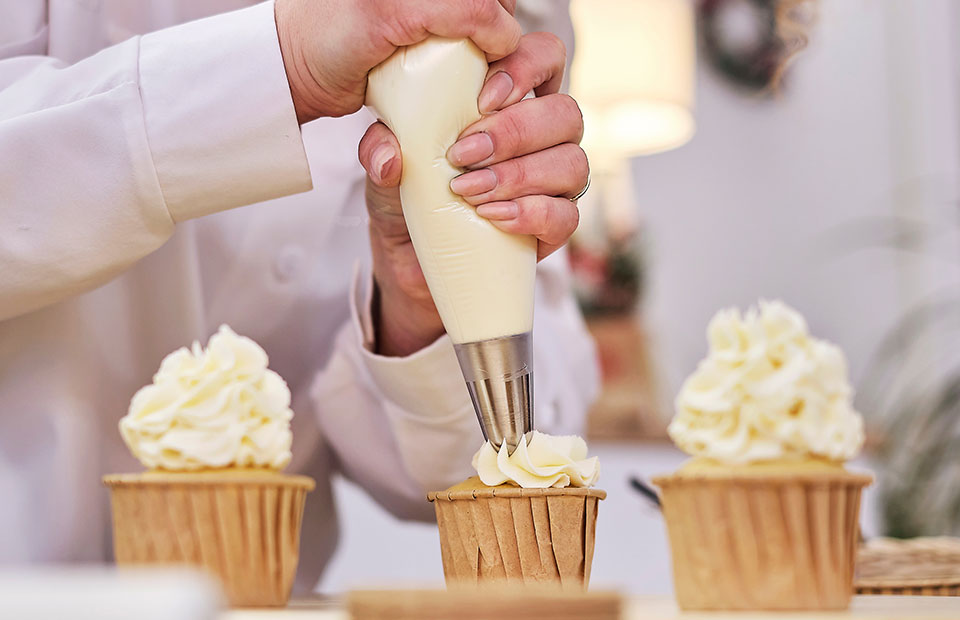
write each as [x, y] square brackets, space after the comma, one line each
[219, 115]
[427, 382]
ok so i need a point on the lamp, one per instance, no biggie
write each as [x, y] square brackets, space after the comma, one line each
[633, 75]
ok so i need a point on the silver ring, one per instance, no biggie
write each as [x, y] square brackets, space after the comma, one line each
[583, 191]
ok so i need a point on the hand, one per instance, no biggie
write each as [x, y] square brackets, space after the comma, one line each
[329, 46]
[524, 164]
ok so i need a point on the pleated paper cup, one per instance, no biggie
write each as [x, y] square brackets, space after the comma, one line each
[767, 541]
[243, 527]
[513, 535]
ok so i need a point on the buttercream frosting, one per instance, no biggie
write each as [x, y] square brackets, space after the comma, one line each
[208, 408]
[767, 391]
[542, 462]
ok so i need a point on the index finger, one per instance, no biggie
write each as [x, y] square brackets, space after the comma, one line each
[537, 65]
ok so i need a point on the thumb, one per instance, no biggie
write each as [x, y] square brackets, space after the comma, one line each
[379, 154]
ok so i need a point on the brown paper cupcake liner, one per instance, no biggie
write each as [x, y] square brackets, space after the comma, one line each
[772, 542]
[513, 535]
[244, 530]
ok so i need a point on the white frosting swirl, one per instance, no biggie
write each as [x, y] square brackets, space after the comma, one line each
[767, 391]
[546, 461]
[213, 408]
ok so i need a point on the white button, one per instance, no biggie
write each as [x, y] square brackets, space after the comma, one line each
[288, 263]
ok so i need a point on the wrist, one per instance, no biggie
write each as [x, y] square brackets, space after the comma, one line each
[402, 325]
[303, 88]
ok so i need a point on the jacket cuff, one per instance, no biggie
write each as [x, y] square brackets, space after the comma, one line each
[427, 383]
[219, 115]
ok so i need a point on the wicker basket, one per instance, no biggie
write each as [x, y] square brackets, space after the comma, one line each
[918, 566]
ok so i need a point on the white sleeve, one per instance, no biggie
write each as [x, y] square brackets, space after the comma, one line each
[100, 159]
[402, 427]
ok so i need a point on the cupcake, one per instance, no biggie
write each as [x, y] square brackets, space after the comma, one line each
[213, 431]
[527, 518]
[765, 515]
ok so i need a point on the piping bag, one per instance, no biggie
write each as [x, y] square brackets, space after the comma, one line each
[481, 278]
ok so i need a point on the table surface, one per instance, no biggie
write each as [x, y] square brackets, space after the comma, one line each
[662, 608]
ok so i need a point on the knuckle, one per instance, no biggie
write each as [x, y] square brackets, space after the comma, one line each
[399, 24]
[483, 11]
[572, 108]
[567, 102]
[558, 219]
[511, 130]
[555, 46]
[526, 217]
[512, 174]
[570, 168]
[566, 219]
[516, 35]
[548, 219]
[578, 161]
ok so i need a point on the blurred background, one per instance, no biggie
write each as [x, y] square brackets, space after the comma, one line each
[721, 177]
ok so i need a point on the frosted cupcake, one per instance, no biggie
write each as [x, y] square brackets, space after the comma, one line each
[528, 517]
[765, 516]
[213, 430]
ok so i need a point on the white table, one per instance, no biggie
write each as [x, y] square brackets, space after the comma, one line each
[662, 608]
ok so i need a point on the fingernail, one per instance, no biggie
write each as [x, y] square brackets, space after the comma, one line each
[471, 150]
[498, 210]
[495, 92]
[380, 161]
[473, 183]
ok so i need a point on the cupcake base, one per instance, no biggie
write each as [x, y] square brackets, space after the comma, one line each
[509, 534]
[242, 526]
[772, 540]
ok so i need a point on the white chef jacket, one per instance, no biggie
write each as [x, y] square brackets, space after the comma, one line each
[112, 145]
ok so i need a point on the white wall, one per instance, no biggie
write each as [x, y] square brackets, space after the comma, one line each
[783, 198]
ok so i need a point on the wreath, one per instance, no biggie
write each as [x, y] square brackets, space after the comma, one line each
[753, 67]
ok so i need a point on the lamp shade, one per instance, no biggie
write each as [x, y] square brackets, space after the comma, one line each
[633, 75]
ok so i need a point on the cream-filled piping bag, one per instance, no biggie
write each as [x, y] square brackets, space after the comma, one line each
[481, 278]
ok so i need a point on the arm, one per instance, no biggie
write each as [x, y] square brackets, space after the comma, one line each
[101, 158]
[392, 401]
[403, 426]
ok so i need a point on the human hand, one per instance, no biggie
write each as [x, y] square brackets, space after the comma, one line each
[524, 166]
[329, 46]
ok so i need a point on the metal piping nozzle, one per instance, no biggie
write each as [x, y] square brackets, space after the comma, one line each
[499, 376]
